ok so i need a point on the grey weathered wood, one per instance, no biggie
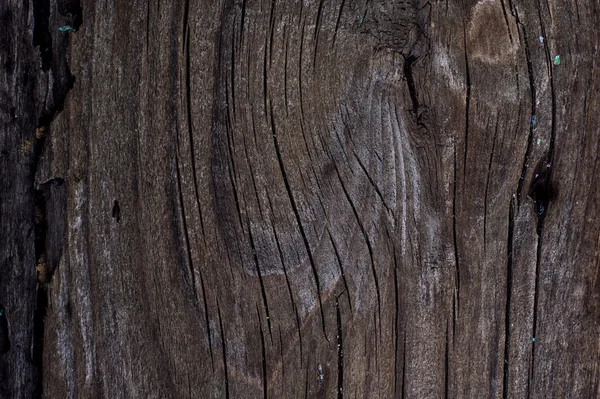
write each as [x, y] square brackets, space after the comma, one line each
[315, 199]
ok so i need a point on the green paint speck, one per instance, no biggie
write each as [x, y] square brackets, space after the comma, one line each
[557, 60]
[361, 20]
[539, 141]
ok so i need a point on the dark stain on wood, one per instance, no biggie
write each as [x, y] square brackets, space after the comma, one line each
[116, 211]
[4, 335]
[542, 190]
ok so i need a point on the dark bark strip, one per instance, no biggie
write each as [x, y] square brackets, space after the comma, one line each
[47, 258]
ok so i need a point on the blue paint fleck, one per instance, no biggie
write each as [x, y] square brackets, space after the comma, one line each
[67, 28]
[320, 374]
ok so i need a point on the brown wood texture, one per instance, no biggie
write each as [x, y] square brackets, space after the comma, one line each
[299, 198]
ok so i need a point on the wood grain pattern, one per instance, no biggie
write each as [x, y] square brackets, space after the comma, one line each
[300, 198]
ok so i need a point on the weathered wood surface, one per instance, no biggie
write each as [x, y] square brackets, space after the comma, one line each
[299, 199]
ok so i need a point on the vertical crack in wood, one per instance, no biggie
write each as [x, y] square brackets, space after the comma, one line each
[337, 23]
[316, 34]
[298, 220]
[404, 369]
[195, 299]
[185, 25]
[456, 300]
[412, 91]
[212, 360]
[536, 286]
[260, 279]
[242, 21]
[367, 241]
[550, 155]
[220, 73]
[232, 78]
[397, 328]
[265, 79]
[148, 8]
[300, 54]
[281, 357]
[225, 371]
[264, 356]
[285, 67]
[360, 163]
[192, 280]
[271, 33]
[506, 20]
[306, 381]
[533, 110]
[287, 281]
[340, 353]
[339, 259]
[468, 102]
[446, 364]
[188, 94]
[509, 273]
[487, 185]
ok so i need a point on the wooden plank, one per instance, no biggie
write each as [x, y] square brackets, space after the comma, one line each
[299, 199]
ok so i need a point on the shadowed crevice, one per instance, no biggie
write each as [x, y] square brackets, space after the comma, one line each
[410, 82]
[509, 272]
[340, 353]
[41, 32]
